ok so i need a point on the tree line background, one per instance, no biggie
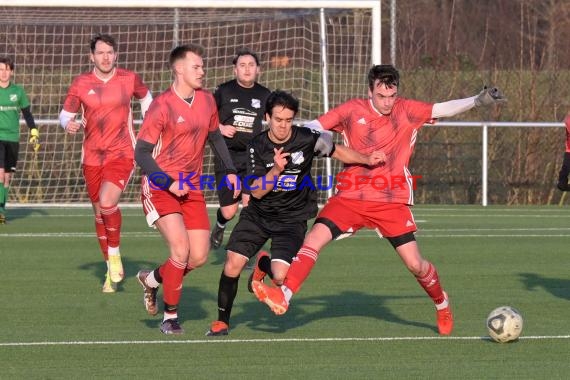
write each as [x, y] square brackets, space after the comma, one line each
[450, 48]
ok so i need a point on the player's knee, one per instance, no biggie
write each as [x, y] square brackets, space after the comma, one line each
[179, 252]
[234, 264]
[415, 267]
[228, 212]
[197, 261]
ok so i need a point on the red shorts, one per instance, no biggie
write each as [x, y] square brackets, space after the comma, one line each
[158, 203]
[118, 172]
[350, 215]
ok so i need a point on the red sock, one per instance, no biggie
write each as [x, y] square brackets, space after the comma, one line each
[112, 219]
[432, 286]
[101, 236]
[300, 268]
[172, 273]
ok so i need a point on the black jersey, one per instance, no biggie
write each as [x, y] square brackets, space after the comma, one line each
[294, 196]
[243, 108]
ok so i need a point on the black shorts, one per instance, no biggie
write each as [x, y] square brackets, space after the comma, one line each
[225, 194]
[252, 231]
[9, 155]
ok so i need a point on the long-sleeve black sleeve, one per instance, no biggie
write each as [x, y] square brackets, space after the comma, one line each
[28, 117]
[564, 172]
[220, 149]
[143, 157]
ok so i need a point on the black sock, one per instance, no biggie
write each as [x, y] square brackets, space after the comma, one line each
[265, 265]
[220, 218]
[171, 309]
[227, 292]
[157, 275]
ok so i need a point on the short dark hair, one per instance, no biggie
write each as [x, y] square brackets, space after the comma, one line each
[245, 51]
[180, 52]
[281, 98]
[8, 62]
[106, 38]
[383, 74]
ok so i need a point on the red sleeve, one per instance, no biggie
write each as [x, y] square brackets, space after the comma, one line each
[337, 118]
[419, 113]
[153, 124]
[72, 102]
[140, 88]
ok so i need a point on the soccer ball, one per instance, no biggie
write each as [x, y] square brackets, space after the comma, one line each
[504, 324]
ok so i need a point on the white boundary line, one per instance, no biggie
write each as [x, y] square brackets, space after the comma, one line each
[281, 340]
[418, 215]
[423, 233]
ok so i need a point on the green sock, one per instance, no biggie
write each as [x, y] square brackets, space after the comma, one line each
[3, 196]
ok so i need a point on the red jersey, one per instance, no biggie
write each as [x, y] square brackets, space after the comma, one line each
[107, 114]
[567, 122]
[365, 130]
[179, 131]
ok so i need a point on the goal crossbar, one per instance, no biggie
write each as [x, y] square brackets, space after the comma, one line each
[344, 4]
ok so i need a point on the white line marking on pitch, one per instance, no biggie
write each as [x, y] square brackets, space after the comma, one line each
[218, 341]
[486, 215]
[76, 234]
[424, 233]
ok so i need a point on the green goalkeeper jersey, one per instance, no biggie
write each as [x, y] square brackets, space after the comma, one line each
[12, 99]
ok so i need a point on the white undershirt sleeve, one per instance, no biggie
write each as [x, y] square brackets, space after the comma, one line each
[315, 125]
[65, 117]
[452, 107]
[145, 102]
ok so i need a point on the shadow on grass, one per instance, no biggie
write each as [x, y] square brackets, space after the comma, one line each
[191, 302]
[131, 267]
[558, 287]
[218, 256]
[195, 303]
[22, 213]
[346, 304]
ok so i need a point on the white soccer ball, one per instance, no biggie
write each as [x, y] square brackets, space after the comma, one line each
[504, 324]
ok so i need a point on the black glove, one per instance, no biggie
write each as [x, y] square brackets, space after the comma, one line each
[563, 174]
[488, 96]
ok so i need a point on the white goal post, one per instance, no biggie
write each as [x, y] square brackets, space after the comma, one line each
[319, 50]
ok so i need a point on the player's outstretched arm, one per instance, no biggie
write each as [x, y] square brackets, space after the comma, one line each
[487, 97]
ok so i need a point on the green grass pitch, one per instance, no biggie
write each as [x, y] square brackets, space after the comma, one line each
[360, 315]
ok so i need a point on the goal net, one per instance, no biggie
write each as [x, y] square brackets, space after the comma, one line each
[321, 55]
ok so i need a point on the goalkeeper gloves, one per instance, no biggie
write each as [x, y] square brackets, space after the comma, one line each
[35, 139]
[488, 96]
